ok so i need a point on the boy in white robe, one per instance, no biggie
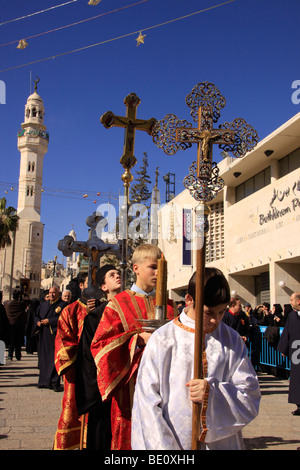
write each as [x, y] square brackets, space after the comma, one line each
[165, 390]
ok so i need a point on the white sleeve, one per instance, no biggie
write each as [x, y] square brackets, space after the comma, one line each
[149, 428]
[234, 403]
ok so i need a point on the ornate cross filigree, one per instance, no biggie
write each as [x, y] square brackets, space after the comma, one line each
[172, 134]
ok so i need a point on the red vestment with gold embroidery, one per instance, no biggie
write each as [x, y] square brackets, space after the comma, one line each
[69, 329]
[117, 357]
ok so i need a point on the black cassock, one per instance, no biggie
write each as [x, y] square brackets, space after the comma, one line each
[289, 345]
[48, 376]
[88, 398]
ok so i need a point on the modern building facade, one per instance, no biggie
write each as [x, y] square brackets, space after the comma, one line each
[254, 223]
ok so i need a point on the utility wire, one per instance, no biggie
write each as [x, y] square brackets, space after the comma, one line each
[38, 12]
[74, 24]
[117, 38]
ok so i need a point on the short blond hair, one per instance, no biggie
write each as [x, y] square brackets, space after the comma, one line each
[146, 251]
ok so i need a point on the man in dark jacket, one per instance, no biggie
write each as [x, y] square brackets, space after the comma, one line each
[16, 314]
[289, 345]
[237, 319]
[45, 325]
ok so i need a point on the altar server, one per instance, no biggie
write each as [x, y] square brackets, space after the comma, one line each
[165, 388]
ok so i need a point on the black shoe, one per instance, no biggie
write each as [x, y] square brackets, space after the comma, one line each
[296, 412]
[57, 388]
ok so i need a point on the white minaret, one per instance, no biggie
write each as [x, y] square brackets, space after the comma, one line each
[22, 261]
[33, 144]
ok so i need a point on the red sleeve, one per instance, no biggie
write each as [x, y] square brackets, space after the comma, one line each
[114, 350]
[66, 340]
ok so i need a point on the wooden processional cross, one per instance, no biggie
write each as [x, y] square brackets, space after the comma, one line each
[203, 182]
[128, 160]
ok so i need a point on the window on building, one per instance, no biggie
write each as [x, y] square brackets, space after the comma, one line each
[262, 288]
[257, 182]
[289, 163]
[215, 236]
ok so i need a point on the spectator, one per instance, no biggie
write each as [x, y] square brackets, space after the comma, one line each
[31, 338]
[237, 319]
[289, 346]
[66, 296]
[180, 305]
[16, 314]
[277, 312]
[45, 296]
[254, 335]
[45, 325]
[247, 309]
[287, 308]
[4, 323]
[265, 314]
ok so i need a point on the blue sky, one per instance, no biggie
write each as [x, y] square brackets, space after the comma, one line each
[248, 48]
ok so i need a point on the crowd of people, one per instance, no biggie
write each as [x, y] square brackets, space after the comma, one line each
[127, 388]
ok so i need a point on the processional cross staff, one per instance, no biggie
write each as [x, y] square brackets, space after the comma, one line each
[94, 248]
[203, 182]
[128, 160]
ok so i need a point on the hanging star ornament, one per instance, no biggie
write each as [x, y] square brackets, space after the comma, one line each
[140, 39]
[22, 44]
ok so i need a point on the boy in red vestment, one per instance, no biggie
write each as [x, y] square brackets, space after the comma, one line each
[119, 342]
[69, 330]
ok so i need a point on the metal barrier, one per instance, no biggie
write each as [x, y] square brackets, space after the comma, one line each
[262, 353]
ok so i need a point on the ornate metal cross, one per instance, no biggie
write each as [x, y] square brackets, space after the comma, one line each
[128, 160]
[203, 182]
[94, 248]
[131, 124]
[172, 134]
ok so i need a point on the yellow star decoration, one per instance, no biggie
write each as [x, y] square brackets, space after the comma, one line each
[22, 44]
[140, 39]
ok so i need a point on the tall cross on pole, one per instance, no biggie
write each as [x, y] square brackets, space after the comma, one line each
[128, 160]
[131, 124]
[94, 248]
[203, 182]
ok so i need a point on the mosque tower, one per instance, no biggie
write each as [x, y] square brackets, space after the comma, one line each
[21, 262]
[33, 144]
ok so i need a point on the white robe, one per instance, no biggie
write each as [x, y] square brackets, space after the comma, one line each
[162, 409]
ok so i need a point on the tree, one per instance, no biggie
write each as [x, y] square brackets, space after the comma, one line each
[9, 221]
[139, 192]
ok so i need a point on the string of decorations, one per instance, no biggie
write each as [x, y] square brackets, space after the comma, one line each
[139, 39]
[61, 193]
[23, 42]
